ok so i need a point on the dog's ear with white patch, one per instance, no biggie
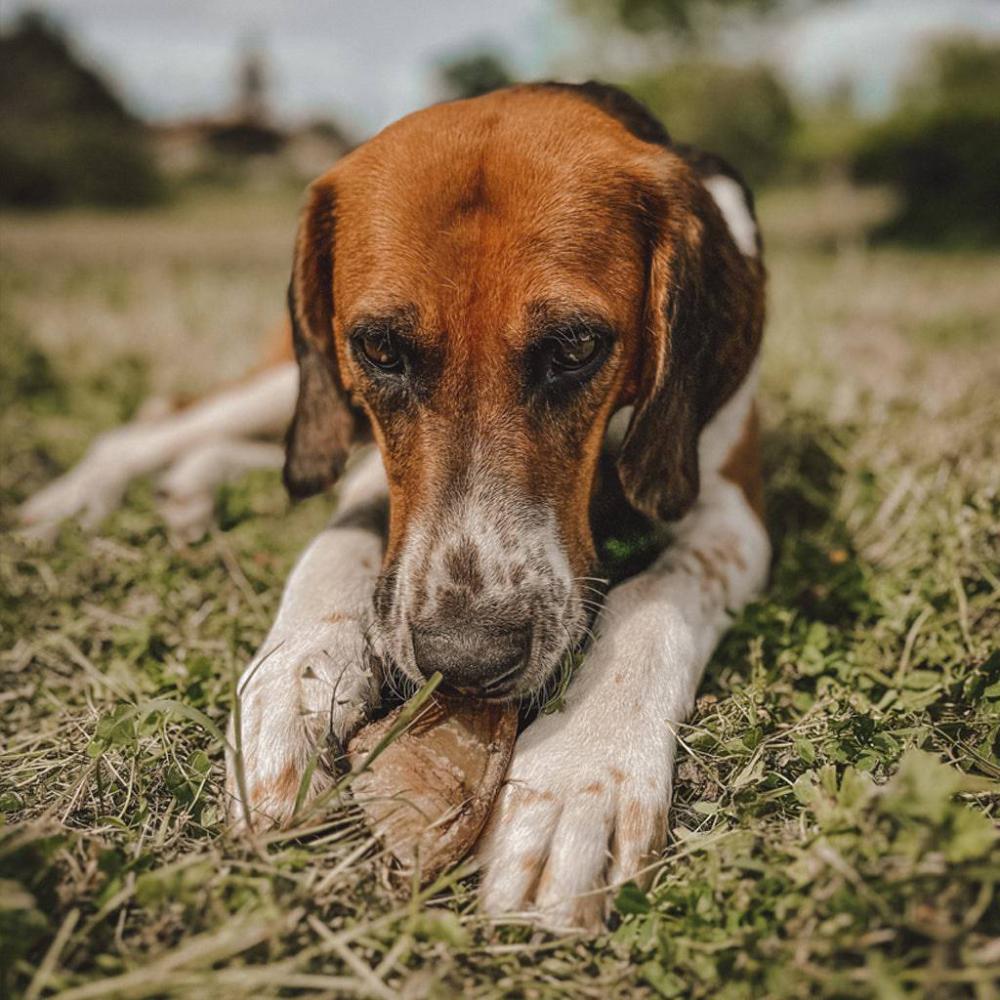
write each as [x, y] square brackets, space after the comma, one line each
[703, 324]
[325, 424]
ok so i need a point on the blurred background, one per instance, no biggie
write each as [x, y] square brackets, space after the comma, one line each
[126, 103]
[153, 155]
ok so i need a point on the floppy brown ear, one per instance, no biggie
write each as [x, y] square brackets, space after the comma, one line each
[704, 319]
[325, 424]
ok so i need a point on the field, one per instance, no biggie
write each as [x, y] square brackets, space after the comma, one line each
[834, 832]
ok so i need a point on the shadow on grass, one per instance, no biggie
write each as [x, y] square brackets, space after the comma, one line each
[819, 592]
[815, 568]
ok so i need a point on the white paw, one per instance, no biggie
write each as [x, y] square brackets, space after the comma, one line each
[186, 491]
[93, 488]
[188, 518]
[300, 701]
[584, 808]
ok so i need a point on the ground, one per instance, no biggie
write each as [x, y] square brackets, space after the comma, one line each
[834, 832]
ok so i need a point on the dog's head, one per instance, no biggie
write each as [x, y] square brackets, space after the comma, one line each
[482, 286]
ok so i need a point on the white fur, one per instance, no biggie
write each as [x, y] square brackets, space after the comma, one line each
[588, 788]
[94, 487]
[728, 195]
[309, 679]
[186, 491]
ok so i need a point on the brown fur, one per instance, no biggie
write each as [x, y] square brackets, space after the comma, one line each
[468, 218]
[282, 789]
[742, 465]
[711, 574]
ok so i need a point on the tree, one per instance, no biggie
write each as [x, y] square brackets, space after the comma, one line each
[940, 150]
[475, 74]
[687, 18]
[743, 113]
[66, 136]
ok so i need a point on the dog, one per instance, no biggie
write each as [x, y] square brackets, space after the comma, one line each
[527, 301]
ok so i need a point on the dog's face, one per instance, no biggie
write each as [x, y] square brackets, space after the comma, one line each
[492, 278]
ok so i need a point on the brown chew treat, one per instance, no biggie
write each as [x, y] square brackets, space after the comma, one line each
[428, 794]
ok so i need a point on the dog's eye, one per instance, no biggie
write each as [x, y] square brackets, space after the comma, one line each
[572, 354]
[381, 350]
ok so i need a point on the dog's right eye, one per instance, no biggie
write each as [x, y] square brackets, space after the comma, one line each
[380, 349]
[571, 354]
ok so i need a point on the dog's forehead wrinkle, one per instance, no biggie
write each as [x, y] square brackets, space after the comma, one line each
[543, 239]
[472, 171]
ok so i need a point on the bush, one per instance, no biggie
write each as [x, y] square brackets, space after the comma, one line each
[66, 138]
[941, 150]
[86, 162]
[960, 73]
[474, 75]
[245, 138]
[946, 167]
[743, 113]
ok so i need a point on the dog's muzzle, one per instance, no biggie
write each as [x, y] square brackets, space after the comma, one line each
[480, 659]
[487, 602]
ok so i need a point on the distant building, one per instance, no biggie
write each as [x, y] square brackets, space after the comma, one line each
[247, 143]
[251, 100]
[231, 148]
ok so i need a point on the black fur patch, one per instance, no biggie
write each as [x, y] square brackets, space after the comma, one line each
[624, 108]
[373, 517]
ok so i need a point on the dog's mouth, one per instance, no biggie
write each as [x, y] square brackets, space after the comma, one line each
[501, 687]
[531, 683]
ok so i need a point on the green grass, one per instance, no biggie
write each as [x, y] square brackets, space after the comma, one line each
[834, 830]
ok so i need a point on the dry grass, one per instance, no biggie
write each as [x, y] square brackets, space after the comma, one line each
[835, 824]
[191, 291]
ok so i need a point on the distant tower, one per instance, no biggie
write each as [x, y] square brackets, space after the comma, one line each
[252, 80]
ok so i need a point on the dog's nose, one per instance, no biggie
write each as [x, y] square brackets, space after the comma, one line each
[471, 658]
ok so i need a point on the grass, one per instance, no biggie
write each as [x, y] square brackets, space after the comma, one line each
[834, 830]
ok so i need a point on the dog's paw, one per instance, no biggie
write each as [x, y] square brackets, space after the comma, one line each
[93, 488]
[299, 703]
[584, 809]
[185, 493]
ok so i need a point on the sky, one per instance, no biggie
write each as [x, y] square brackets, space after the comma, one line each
[366, 62]
[873, 43]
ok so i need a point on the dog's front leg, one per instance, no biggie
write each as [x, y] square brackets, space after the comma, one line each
[585, 804]
[310, 686]
[94, 487]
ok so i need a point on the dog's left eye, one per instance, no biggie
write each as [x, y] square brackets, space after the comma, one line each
[573, 354]
[381, 350]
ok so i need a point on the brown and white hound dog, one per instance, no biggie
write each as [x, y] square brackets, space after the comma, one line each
[497, 292]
